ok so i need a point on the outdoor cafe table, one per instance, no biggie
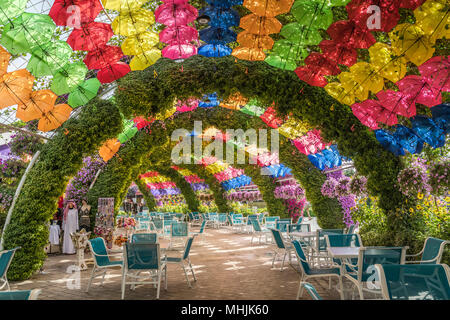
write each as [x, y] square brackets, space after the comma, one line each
[297, 234]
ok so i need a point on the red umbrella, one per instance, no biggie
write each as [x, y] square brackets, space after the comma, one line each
[437, 69]
[398, 102]
[102, 57]
[358, 11]
[90, 37]
[351, 35]
[73, 12]
[421, 89]
[173, 15]
[312, 75]
[410, 4]
[142, 122]
[338, 52]
[327, 66]
[113, 72]
[178, 35]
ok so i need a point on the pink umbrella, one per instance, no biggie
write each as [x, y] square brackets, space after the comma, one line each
[370, 112]
[172, 14]
[398, 102]
[178, 35]
[185, 106]
[421, 89]
[438, 70]
[179, 51]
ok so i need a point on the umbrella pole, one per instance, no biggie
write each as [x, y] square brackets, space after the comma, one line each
[16, 195]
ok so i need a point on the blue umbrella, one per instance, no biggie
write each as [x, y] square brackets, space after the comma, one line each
[317, 160]
[221, 17]
[214, 35]
[332, 157]
[209, 101]
[426, 129]
[388, 142]
[408, 139]
[224, 3]
[211, 50]
[441, 116]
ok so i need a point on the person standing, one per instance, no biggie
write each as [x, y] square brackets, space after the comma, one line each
[70, 225]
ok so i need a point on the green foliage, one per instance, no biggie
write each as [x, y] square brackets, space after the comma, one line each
[60, 159]
[148, 197]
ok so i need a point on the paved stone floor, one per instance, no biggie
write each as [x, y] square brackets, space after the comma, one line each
[227, 267]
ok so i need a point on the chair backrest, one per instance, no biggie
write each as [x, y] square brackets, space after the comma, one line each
[351, 229]
[414, 282]
[321, 243]
[191, 216]
[202, 227]
[343, 240]
[144, 237]
[311, 290]
[179, 229]
[271, 222]
[256, 225]
[20, 294]
[282, 224]
[251, 217]
[230, 220]
[158, 222]
[369, 256]
[98, 248]
[142, 255]
[278, 239]
[299, 228]
[195, 215]
[222, 217]
[432, 250]
[5, 260]
[188, 247]
[304, 265]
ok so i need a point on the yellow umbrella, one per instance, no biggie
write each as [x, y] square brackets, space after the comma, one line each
[352, 87]
[38, 104]
[337, 91]
[165, 114]
[131, 23]
[364, 74]
[54, 117]
[268, 8]
[140, 43]
[293, 128]
[15, 87]
[434, 19]
[260, 25]
[411, 40]
[247, 39]
[123, 5]
[109, 149]
[4, 60]
[381, 60]
[145, 59]
[251, 54]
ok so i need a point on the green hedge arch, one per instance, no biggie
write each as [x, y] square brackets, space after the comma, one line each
[60, 159]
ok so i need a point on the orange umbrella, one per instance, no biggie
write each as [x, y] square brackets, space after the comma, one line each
[4, 60]
[38, 104]
[268, 8]
[250, 54]
[109, 148]
[234, 102]
[260, 25]
[247, 39]
[15, 87]
[54, 117]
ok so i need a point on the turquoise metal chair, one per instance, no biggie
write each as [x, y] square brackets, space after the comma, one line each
[306, 243]
[195, 219]
[343, 240]
[281, 247]
[209, 221]
[282, 225]
[102, 260]
[432, 251]
[258, 231]
[184, 258]
[320, 252]
[144, 237]
[158, 223]
[311, 290]
[307, 272]
[20, 295]
[179, 231]
[6, 257]
[271, 222]
[414, 282]
[143, 257]
[222, 219]
[201, 232]
[362, 272]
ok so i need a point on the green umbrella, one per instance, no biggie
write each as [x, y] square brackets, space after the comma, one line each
[313, 14]
[84, 92]
[301, 34]
[290, 50]
[10, 9]
[129, 130]
[252, 109]
[47, 59]
[282, 63]
[69, 77]
[27, 32]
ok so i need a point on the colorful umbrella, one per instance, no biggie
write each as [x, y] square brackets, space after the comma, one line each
[10, 9]
[421, 90]
[36, 105]
[268, 8]
[382, 58]
[90, 37]
[49, 58]
[145, 59]
[174, 15]
[314, 13]
[251, 40]
[129, 23]
[123, 5]
[178, 35]
[360, 11]
[408, 140]
[4, 61]
[426, 129]
[68, 78]
[441, 116]
[388, 142]
[54, 117]
[300, 33]
[113, 72]
[211, 50]
[15, 87]
[84, 92]
[140, 43]
[109, 149]
[26, 32]
[290, 50]
[73, 13]
[214, 35]
[260, 25]
[221, 17]
[179, 51]
[339, 52]
[437, 70]
[349, 33]
[250, 54]
[398, 102]
[370, 112]
[282, 63]
[103, 57]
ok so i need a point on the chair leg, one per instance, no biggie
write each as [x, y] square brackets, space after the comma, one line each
[361, 294]
[341, 287]
[329, 283]
[282, 263]
[103, 277]
[273, 260]
[159, 284]
[192, 270]
[165, 277]
[123, 285]
[90, 279]
[186, 275]
[300, 289]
